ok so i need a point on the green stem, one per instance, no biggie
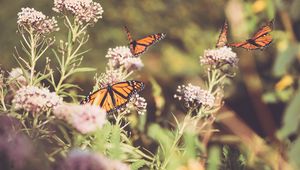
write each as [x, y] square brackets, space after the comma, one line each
[33, 55]
[2, 100]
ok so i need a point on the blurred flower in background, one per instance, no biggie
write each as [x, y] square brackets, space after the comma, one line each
[16, 149]
[84, 118]
[85, 160]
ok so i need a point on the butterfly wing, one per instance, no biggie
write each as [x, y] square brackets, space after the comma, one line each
[116, 96]
[222, 40]
[244, 44]
[102, 98]
[261, 39]
[138, 47]
[264, 30]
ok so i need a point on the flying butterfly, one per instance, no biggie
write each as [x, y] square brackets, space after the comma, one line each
[114, 96]
[137, 47]
[222, 40]
[261, 39]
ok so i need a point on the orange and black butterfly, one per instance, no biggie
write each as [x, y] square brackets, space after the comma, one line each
[222, 40]
[137, 47]
[114, 96]
[261, 39]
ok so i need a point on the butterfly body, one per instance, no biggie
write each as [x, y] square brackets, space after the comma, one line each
[112, 97]
[138, 47]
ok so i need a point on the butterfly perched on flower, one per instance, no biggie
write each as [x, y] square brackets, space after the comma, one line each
[138, 47]
[261, 39]
[114, 96]
[222, 40]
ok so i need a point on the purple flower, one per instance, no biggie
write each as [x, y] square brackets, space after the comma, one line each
[84, 160]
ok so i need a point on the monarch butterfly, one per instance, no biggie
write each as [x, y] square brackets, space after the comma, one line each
[137, 47]
[114, 96]
[222, 40]
[260, 40]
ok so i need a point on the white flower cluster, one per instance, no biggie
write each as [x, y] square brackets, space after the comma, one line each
[84, 118]
[34, 99]
[219, 57]
[30, 18]
[121, 56]
[137, 103]
[194, 95]
[85, 11]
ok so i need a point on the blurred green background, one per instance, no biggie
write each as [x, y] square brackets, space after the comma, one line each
[191, 27]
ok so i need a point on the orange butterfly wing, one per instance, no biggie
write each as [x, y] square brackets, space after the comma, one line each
[137, 47]
[115, 96]
[222, 40]
[140, 46]
[260, 40]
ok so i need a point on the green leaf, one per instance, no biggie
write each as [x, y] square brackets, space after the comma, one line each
[115, 151]
[284, 59]
[190, 141]
[294, 153]
[83, 69]
[269, 97]
[158, 96]
[137, 165]
[291, 118]
[102, 138]
[214, 158]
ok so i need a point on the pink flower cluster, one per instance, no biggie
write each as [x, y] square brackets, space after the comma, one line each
[84, 118]
[34, 99]
[31, 19]
[85, 11]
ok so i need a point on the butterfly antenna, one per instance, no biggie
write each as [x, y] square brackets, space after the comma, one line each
[128, 34]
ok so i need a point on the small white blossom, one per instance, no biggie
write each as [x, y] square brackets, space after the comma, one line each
[34, 99]
[194, 95]
[30, 18]
[110, 77]
[85, 11]
[16, 79]
[219, 57]
[121, 56]
[84, 118]
[137, 103]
